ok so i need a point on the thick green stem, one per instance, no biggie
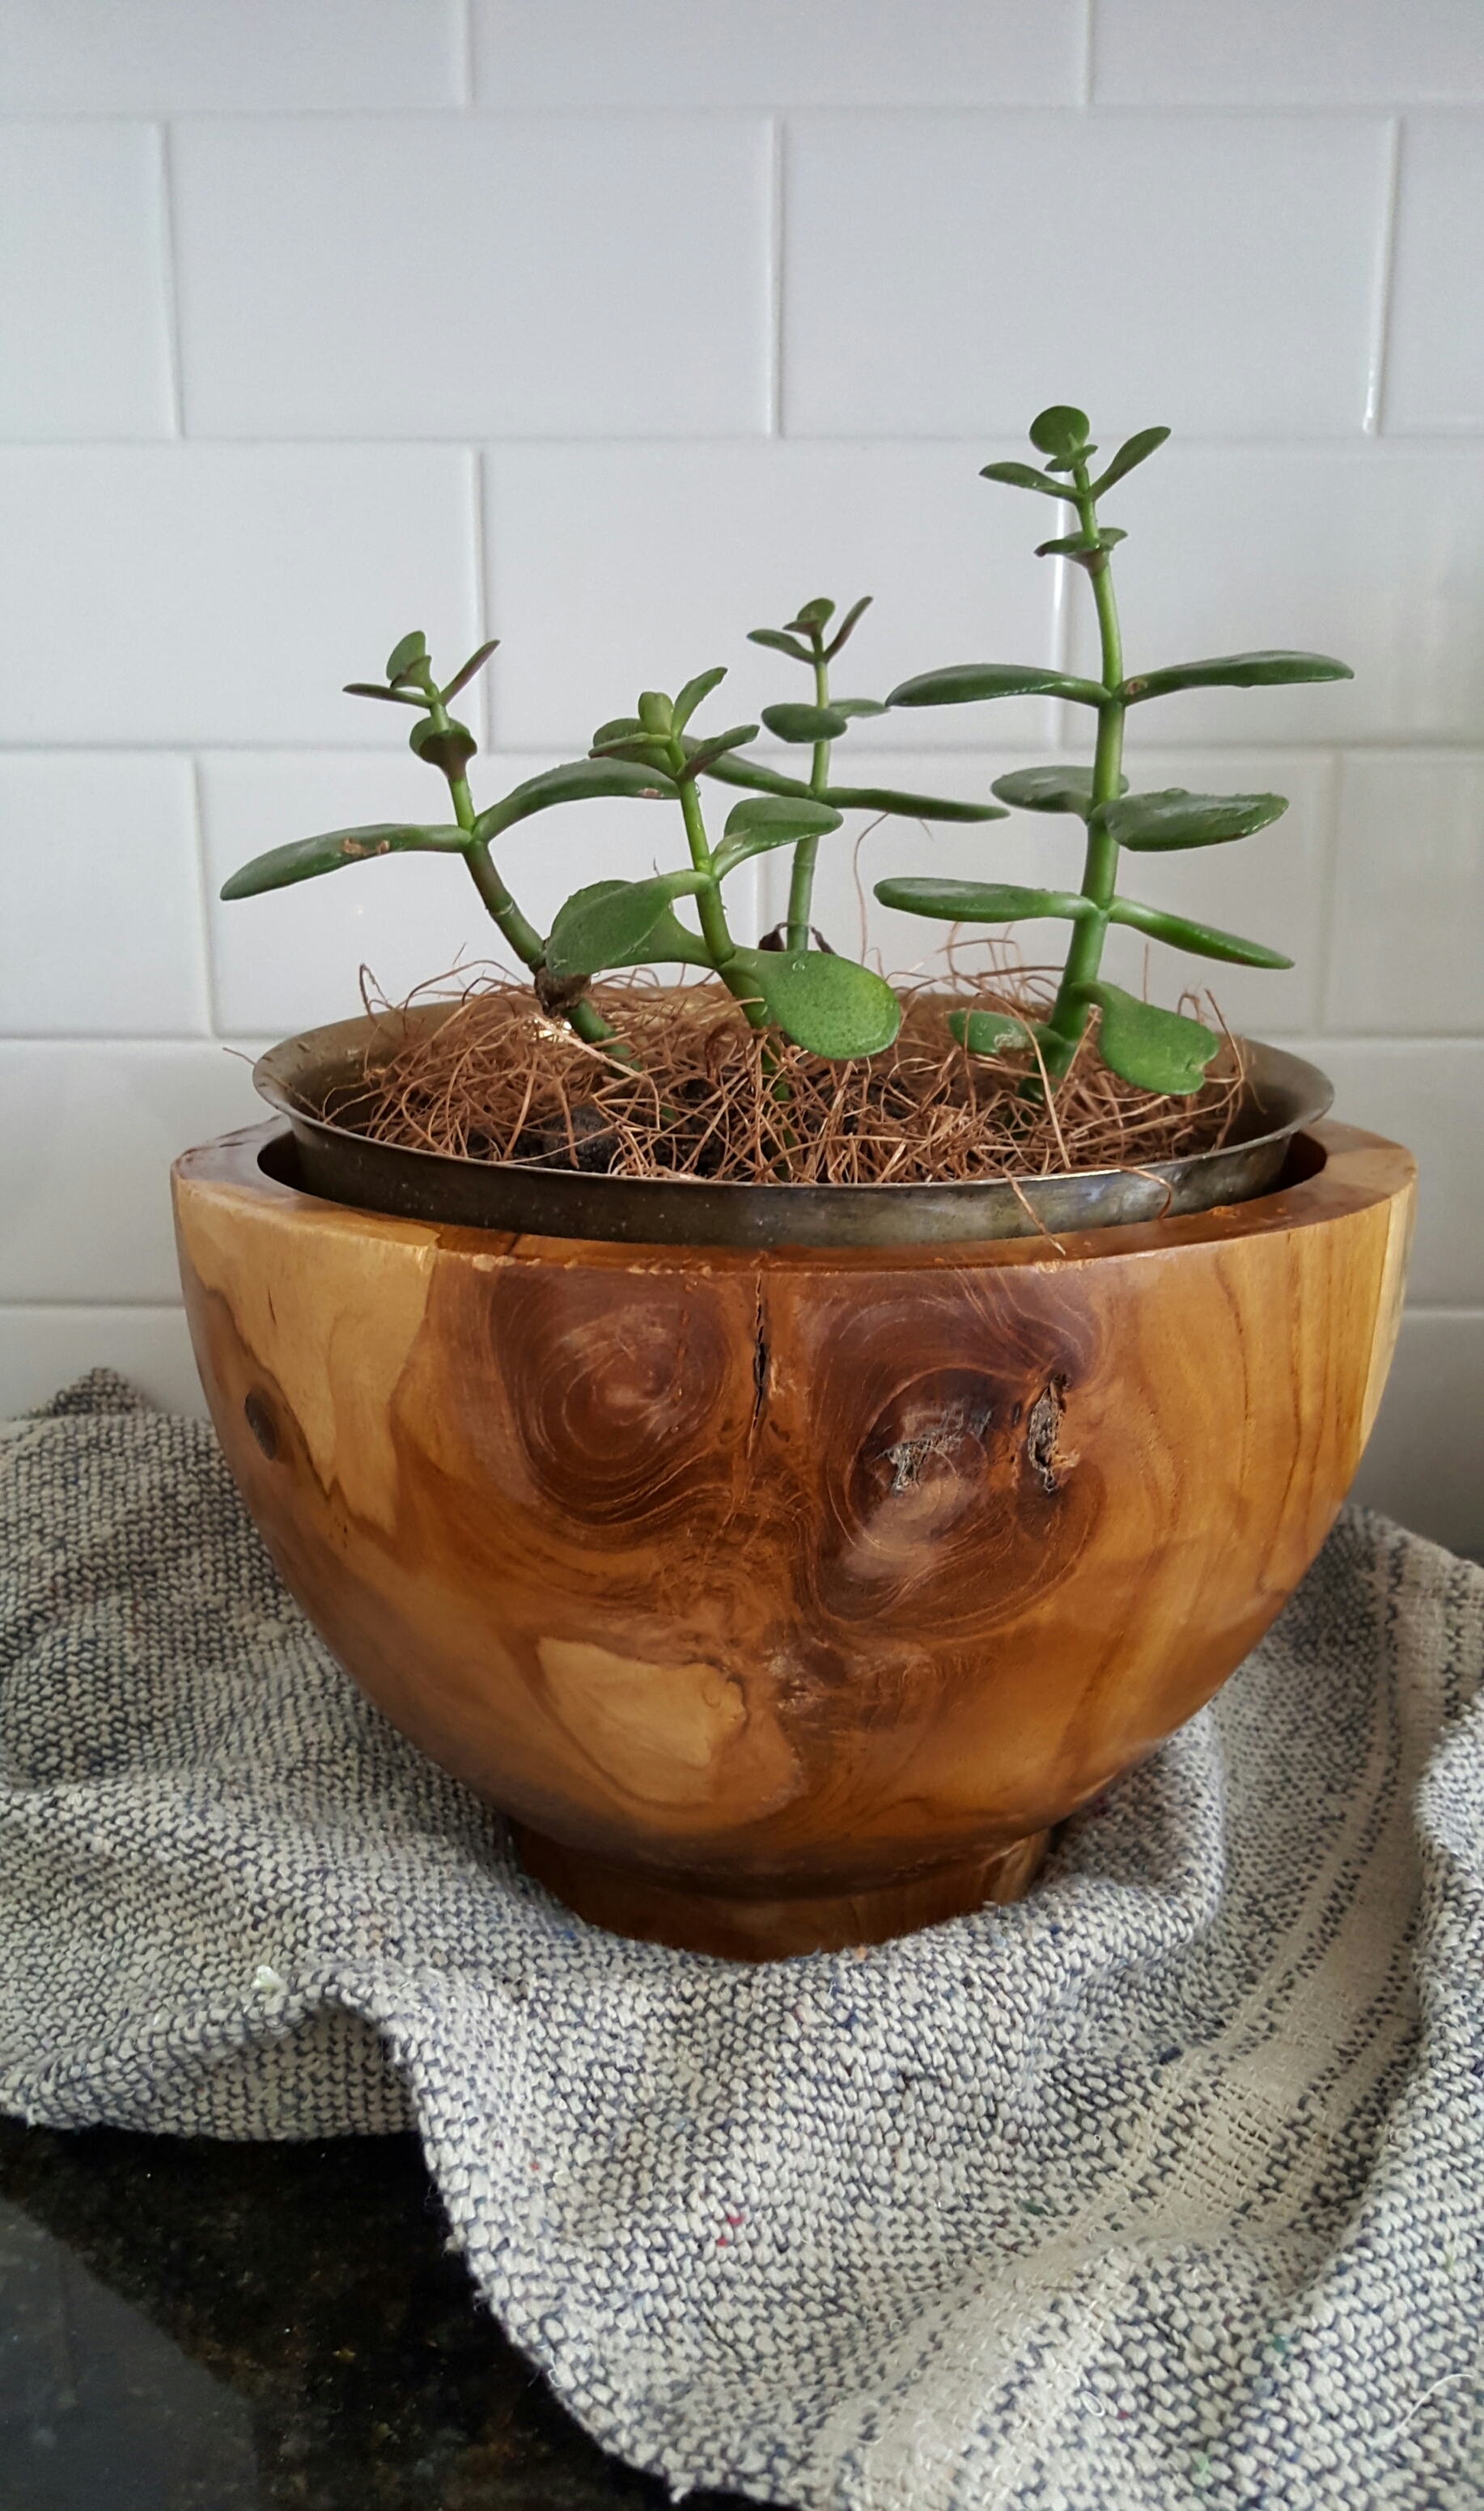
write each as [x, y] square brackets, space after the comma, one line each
[801, 886]
[1069, 1014]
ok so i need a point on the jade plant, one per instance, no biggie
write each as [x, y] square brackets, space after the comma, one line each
[790, 982]
[824, 1002]
[1144, 1044]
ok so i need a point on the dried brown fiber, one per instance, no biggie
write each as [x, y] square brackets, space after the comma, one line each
[498, 1080]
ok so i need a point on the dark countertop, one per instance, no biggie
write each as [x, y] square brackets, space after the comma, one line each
[188, 2326]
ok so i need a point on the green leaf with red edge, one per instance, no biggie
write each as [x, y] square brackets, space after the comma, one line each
[1267, 668]
[581, 780]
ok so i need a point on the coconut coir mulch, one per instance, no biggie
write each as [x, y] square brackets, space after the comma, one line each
[711, 1099]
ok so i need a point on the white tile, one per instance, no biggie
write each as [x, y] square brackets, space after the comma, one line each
[591, 276]
[102, 932]
[620, 567]
[44, 1349]
[291, 958]
[1428, 1095]
[1273, 51]
[1409, 894]
[82, 284]
[224, 593]
[1424, 1465]
[87, 1137]
[1435, 352]
[214, 56]
[1374, 554]
[564, 53]
[946, 273]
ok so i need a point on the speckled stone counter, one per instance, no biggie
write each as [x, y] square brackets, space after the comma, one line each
[187, 2326]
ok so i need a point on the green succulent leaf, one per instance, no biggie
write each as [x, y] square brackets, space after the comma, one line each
[700, 758]
[848, 626]
[655, 713]
[640, 749]
[622, 727]
[1264, 670]
[805, 723]
[448, 747]
[308, 857]
[1151, 1048]
[475, 662]
[581, 780]
[1160, 822]
[770, 820]
[1020, 475]
[811, 615]
[693, 693]
[1060, 431]
[1205, 941]
[906, 806]
[1049, 789]
[403, 656]
[989, 1032]
[1129, 455]
[1084, 546]
[780, 644]
[374, 689]
[608, 924]
[959, 683]
[859, 705]
[667, 938]
[729, 769]
[981, 902]
[829, 1006]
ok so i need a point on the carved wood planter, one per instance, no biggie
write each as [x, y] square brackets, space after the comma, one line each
[786, 1598]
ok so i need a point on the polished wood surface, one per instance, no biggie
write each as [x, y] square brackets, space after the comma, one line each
[778, 1595]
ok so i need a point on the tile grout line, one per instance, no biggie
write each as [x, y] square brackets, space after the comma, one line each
[774, 350]
[1374, 420]
[169, 272]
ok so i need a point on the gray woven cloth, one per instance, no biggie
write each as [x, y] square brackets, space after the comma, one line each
[1166, 2186]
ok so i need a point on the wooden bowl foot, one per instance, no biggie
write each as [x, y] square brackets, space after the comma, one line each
[630, 1902]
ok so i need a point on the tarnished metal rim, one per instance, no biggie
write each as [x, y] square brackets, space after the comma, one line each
[305, 1073]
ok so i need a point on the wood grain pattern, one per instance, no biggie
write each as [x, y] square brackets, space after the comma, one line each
[789, 1598]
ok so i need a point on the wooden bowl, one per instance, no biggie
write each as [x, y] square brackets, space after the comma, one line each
[787, 1598]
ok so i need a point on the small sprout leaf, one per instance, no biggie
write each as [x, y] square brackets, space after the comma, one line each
[374, 689]
[623, 727]
[1049, 789]
[906, 806]
[1129, 455]
[656, 713]
[780, 644]
[475, 662]
[701, 757]
[1259, 671]
[693, 693]
[805, 723]
[308, 857]
[403, 658]
[961, 682]
[1205, 941]
[1061, 431]
[448, 747]
[856, 706]
[1020, 475]
[980, 902]
[769, 820]
[989, 1032]
[1160, 822]
[847, 625]
[829, 1006]
[608, 924]
[1084, 546]
[1151, 1048]
[811, 615]
[577, 782]
[642, 748]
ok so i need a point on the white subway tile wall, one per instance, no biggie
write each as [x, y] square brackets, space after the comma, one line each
[616, 327]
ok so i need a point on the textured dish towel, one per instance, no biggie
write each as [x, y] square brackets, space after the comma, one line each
[1165, 2187]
